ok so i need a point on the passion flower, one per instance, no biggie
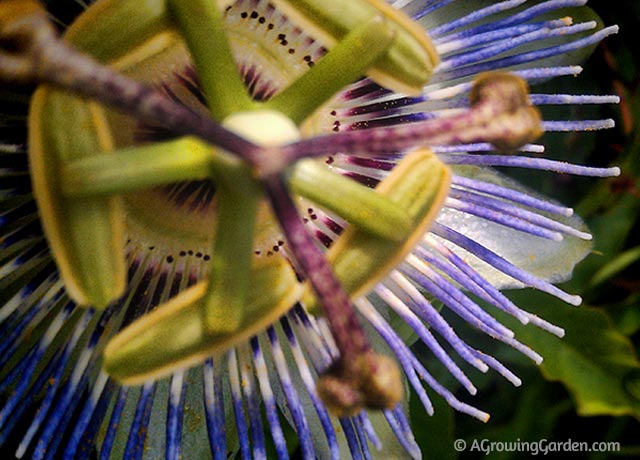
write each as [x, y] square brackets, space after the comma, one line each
[173, 147]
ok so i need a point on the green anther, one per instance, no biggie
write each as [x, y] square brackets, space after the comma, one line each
[203, 29]
[361, 206]
[112, 29]
[137, 168]
[174, 335]
[85, 234]
[405, 67]
[418, 184]
[344, 64]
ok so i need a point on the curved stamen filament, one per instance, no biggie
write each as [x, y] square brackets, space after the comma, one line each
[360, 376]
[139, 167]
[359, 49]
[500, 114]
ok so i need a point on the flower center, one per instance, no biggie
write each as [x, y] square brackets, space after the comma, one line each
[176, 220]
[264, 127]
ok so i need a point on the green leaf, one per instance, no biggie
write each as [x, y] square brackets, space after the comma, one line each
[611, 229]
[626, 315]
[615, 266]
[434, 433]
[534, 418]
[594, 360]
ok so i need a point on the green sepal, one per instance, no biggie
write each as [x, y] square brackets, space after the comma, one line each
[85, 234]
[174, 335]
[408, 64]
[419, 184]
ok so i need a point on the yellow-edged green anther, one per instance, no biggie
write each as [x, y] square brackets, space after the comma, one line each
[116, 30]
[174, 335]
[418, 185]
[405, 67]
[85, 234]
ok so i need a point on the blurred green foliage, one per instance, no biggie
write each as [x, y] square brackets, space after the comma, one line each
[588, 388]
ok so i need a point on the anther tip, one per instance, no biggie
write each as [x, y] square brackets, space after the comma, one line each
[574, 300]
[567, 20]
[482, 366]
